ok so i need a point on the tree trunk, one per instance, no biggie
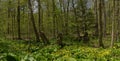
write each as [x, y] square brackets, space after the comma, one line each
[100, 37]
[18, 19]
[113, 26]
[96, 17]
[39, 15]
[33, 21]
[76, 20]
[118, 21]
[42, 35]
[54, 19]
[66, 15]
[104, 18]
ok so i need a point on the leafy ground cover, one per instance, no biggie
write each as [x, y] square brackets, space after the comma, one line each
[29, 51]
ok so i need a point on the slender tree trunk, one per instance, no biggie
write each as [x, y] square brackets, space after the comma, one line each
[39, 15]
[18, 20]
[33, 21]
[13, 22]
[113, 26]
[42, 35]
[54, 19]
[117, 20]
[100, 37]
[14, 19]
[83, 11]
[66, 15]
[61, 16]
[8, 24]
[96, 17]
[118, 32]
[104, 18]
[76, 20]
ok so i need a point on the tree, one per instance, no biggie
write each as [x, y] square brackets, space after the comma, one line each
[113, 24]
[96, 17]
[39, 15]
[118, 21]
[104, 17]
[54, 18]
[76, 20]
[18, 20]
[33, 21]
[66, 15]
[100, 27]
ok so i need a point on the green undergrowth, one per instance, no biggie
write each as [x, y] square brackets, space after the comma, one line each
[19, 50]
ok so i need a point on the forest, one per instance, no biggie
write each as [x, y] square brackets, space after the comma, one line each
[59, 30]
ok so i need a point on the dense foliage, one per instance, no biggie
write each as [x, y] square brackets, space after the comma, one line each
[59, 30]
[24, 51]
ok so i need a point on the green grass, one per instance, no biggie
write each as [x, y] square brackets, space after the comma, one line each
[19, 50]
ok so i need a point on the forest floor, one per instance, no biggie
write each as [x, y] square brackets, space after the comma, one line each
[20, 50]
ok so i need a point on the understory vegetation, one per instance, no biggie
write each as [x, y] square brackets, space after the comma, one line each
[59, 30]
[19, 50]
